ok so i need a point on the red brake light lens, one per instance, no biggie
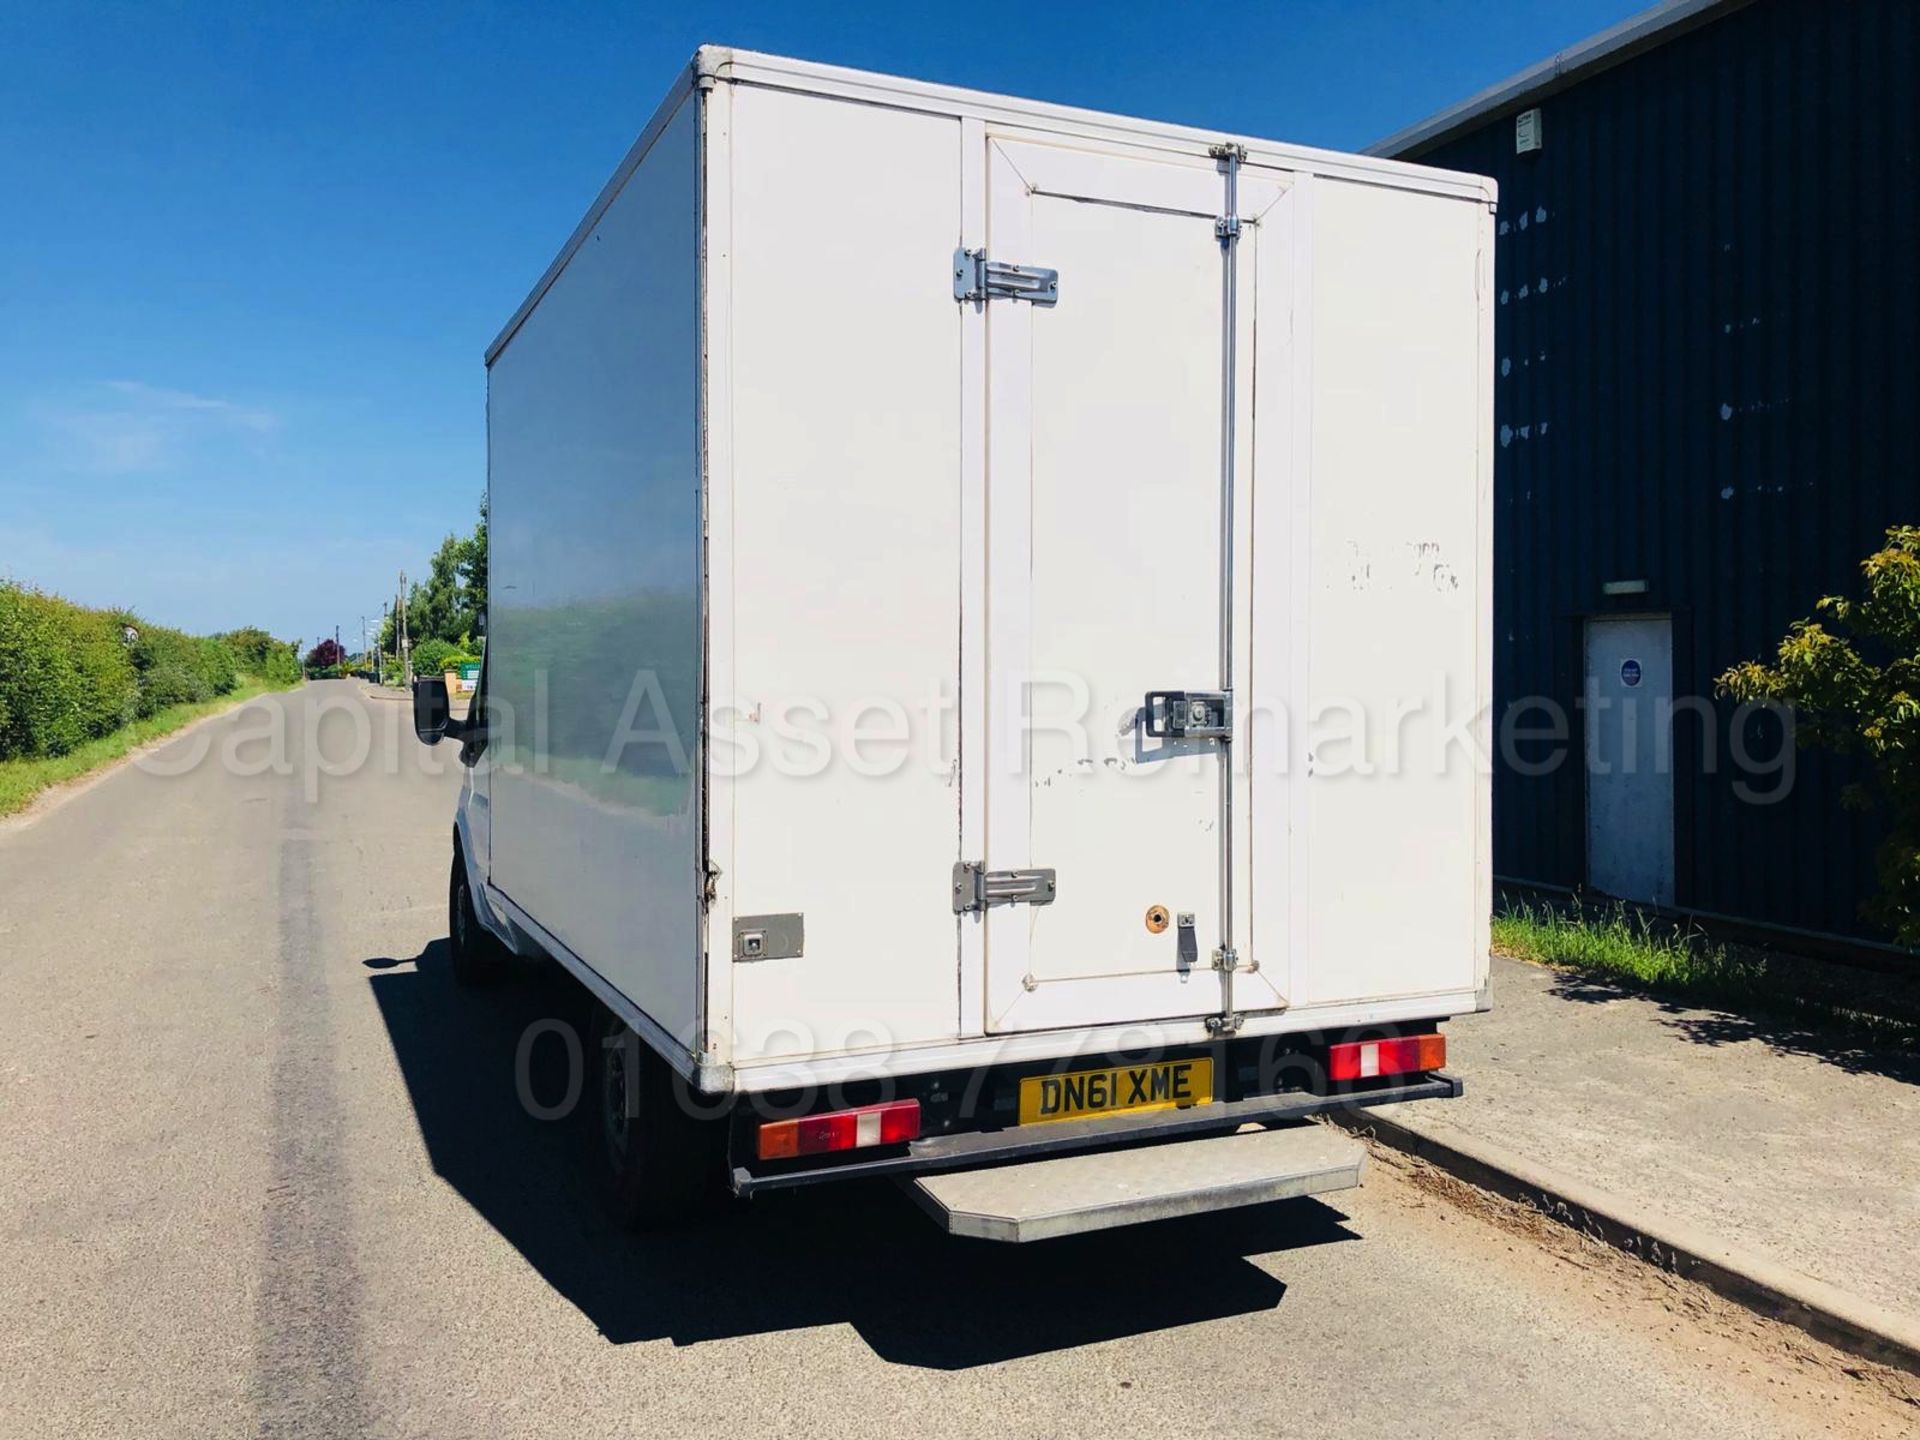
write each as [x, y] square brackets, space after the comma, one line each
[893, 1123]
[1365, 1059]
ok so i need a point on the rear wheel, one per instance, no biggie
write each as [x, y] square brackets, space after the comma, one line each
[475, 953]
[659, 1163]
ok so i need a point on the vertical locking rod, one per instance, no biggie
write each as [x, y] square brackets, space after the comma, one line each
[1226, 959]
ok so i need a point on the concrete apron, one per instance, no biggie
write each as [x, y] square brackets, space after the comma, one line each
[1825, 1312]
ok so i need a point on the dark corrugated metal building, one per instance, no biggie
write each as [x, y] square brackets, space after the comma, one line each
[1706, 412]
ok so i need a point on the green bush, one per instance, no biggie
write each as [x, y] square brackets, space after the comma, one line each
[431, 657]
[1849, 676]
[39, 681]
[217, 664]
[109, 694]
[65, 677]
[436, 657]
[281, 667]
[177, 669]
[68, 675]
[255, 651]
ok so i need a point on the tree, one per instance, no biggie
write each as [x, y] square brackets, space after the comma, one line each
[448, 603]
[1852, 677]
[473, 568]
[327, 655]
[435, 608]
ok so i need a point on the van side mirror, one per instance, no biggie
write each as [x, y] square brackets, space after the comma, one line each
[430, 709]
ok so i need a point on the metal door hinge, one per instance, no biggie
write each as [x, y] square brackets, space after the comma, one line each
[1226, 228]
[977, 278]
[975, 887]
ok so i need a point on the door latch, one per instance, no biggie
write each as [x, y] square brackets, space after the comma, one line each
[1189, 714]
[769, 937]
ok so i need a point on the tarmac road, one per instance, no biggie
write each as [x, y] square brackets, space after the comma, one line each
[263, 1170]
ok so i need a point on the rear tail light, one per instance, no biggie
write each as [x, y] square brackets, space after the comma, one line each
[891, 1124]
[1364, 1059]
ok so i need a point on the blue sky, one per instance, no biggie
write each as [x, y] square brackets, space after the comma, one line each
[251, 253]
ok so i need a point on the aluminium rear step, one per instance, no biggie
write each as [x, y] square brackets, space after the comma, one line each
[1073, 1193]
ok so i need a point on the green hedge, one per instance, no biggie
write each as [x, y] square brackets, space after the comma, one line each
[258, 653]
[436, 657]
[282, 668]
[68, 675]
[65, 676]
[178, 669]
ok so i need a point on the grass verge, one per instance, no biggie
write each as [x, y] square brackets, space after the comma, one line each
[1625, 945]
[22, 781]
[1637, 952]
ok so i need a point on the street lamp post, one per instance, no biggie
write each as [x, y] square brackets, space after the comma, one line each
[406, 643]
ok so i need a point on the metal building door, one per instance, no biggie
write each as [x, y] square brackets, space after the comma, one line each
[1629, 717]
[1110, 830]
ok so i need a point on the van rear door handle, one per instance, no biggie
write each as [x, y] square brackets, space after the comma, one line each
[1189, 714]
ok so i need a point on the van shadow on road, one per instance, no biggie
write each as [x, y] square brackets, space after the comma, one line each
[858, 1253]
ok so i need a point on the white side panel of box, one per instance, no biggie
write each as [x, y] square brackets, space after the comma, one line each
[1397, 510]
[594, 641]
[836, 521]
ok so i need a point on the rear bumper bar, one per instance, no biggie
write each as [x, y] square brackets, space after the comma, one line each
[1064, 1137]
[1072, 1194]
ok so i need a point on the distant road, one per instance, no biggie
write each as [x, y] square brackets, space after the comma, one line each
[263, 1171]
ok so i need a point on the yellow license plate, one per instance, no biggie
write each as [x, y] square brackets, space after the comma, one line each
[1164, 1085]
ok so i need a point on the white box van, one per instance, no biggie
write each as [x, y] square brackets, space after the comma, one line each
[989, 647]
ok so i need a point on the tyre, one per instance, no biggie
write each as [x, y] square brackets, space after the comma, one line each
[475, 953]
[659, 1164]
